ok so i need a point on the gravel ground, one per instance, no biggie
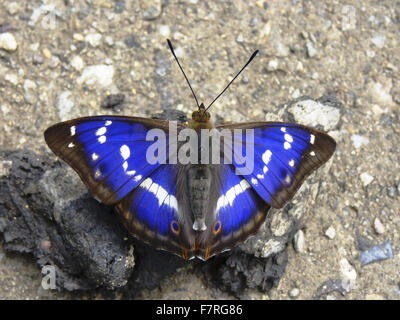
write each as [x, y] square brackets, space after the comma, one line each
[60, 59]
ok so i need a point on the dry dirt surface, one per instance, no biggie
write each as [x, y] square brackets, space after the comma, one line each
[59, 59]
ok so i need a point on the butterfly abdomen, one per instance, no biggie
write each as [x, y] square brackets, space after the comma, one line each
[199, 179]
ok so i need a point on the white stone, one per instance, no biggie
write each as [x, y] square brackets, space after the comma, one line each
[378, 226]
[64, 105]
[379, 40]
[359, 141]
[8, 42]
[380, 92]
[299, 242]
[94, 39]
[313, 113]
[270, 247]
[164, 30]
[272, 65]
[77, 63]
[179, 52]
[97, 75]
[366, 178]
[11, 77]
[330, 232]
[294, 292]
[13, 8]
[349, 274]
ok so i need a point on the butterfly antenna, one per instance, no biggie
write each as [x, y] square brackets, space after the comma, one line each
[251, 58]
[187, 80]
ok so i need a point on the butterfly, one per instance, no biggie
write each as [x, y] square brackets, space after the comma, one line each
[190, 209]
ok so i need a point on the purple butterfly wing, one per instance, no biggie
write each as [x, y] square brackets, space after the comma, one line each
[284, 155]
[108, 152]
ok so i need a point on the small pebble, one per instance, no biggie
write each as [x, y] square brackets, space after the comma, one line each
[12, 78]
[377, 253]
[94, 39]
[78, 37]
[152, 9]
[349, 274]
[64, 105]
[294, 292]
[272, 65]
[299, 241]
[46, 53]
[77, 63]
[8, 42]
[13, 8]
[379, 40]
[311, 51]
[164, 31]
[330, 232]
[391, 192]
[378, 226]
[359, 141]
[97, 75]
[366, 178]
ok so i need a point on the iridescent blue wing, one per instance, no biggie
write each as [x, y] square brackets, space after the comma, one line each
[108, 152]
[239, 212]
[284, 155]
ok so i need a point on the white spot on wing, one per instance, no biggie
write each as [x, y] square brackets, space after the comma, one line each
[260, 176]
[102, 139]
[266, 157]
[254, 181]
[146, 183]
[288, 179]
[231, 194]
[244, 184]
[265, 169]
[288, 138]
[312, 139]
[283, 129]
[130, 172]
[125, 152]
[137, 178]
[95, 156]
[312, 153]
[160, 193]
[287, 145]
[107, 123]
[73, 130]
[97, 174]
[291, 163]
[101, 131]
[71, 145]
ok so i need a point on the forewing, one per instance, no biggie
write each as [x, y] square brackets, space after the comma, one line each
[108, 152]
[284, 155]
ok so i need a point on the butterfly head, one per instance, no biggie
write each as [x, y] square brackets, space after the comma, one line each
[201, 118]
[201, 115]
